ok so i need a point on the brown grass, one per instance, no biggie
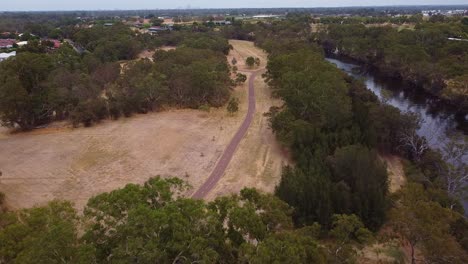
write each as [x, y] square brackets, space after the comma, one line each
[59, 162]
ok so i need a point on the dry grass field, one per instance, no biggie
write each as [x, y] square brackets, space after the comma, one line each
[59, 162]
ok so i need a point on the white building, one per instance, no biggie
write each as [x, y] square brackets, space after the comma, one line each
[22, 43]
[4, 56]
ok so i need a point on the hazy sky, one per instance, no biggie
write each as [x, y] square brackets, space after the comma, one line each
[22, 5]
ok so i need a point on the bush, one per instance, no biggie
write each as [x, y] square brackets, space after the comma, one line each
[250, 61]
[241, 78]
[233, 105]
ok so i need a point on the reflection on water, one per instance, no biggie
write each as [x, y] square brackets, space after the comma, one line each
[439, 121]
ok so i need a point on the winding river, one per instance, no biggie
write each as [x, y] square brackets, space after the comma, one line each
[440, 122]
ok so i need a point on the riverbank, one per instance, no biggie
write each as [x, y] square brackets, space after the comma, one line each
[439, 100]
[418, 96]
[439, 126]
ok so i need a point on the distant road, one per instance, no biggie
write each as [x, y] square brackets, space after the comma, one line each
[222, 164]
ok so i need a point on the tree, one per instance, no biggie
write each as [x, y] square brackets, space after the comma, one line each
[234, 61]
[23, 93]
[286, 247]
[456, 174]
[233, 105]
[241, 78]
[153, 223]
[257, 62]
[347, 231]
[42, 235]
[250, 61]
[156, 21]
[426, 225]
[364, 180]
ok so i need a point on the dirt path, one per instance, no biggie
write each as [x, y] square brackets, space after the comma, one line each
[75, 164]
[231, 148]
[259, 158]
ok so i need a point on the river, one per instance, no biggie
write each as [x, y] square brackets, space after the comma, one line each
[440, 122]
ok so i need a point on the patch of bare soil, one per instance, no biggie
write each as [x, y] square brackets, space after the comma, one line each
[396, 173]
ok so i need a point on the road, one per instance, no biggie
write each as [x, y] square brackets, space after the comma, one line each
[222, 164]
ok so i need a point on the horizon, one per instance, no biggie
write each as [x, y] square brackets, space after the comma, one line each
[64, 7]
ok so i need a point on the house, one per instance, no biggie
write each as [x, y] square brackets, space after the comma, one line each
[22, 43]
[7, 43]
[108, 24]
[56, 42]
[4, 56]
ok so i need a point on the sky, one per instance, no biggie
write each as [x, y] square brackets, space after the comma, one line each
[41, 5]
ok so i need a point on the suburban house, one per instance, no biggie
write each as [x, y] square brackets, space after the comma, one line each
[4, 56]
[7, 43]
[56, 43]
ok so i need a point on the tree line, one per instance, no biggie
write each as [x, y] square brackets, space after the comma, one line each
[425, 57]
[152, 223]
[334, 128]
[37, 87]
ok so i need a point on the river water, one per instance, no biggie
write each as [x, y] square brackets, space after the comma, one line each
[440, 122]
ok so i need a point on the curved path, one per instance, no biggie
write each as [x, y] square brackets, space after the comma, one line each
[231, 148]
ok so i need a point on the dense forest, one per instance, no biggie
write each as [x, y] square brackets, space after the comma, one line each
[37, 87]
[427, 56]
[334, 128]
[332, 201]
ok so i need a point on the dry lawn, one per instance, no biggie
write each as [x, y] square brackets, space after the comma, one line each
[259, 158]
[59, 162]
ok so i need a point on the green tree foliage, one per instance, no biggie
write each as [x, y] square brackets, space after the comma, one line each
[331, 123]
[233, 105]
[23, 94]
[195, 77]
[362, 183]
[424, 57]
[241, 78]
[42, 235]
[109, 43]
[257, 62]
[427, 225]
[250, 61]
[207, 41]
[37, 88]
[156, 21]
[286, 247]
[153, 223]
[347, 233]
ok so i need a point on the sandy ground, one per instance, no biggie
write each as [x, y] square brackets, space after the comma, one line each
[76, 164]
[396, 173]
